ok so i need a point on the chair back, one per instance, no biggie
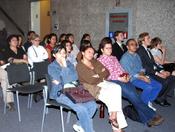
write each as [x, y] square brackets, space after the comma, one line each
[40, 69]
[18, 73]
[49, 84]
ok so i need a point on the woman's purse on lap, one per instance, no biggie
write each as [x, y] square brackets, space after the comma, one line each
[78, 94]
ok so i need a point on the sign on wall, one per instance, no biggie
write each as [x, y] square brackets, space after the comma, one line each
[119, 19]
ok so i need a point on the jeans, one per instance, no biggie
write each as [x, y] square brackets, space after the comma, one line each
[129, 92]
[84, 111]
[150, 90]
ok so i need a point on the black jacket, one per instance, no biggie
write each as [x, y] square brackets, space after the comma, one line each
[117, 51]
[148, 63]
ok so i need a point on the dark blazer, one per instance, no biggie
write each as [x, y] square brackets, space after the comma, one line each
[117, 51]
[148, 63]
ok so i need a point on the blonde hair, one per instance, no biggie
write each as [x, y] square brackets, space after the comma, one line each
[142, 37]
[34, 36]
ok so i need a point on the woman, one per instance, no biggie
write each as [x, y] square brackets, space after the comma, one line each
[159, 53]
[85, 37]
[36, 53]
[51, 42]
[67, 44]
[14, 54]
[84, 44]
[70, 37]
[63, 72]
[92, 74]
[20, 42]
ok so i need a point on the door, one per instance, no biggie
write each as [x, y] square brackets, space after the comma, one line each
[41, 17]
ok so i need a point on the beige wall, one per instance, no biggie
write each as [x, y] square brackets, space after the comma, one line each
[154, 16]
[45, 18]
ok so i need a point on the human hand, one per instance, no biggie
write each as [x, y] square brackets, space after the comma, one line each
[96, 76]
[55, 82]
[103, 70]
[161, 75]
[166, 73]
[144, 78]
[163, 48]
[124, 77]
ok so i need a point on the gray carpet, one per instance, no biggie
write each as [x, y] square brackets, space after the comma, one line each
[31, 120]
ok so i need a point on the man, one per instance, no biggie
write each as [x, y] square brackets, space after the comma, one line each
[131, 62]
[28, 43]
[153, 70]
[118, 49]
[5, 84]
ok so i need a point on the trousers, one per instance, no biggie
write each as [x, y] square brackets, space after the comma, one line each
[150, 90]
[84, 111]
[110, 95]
[5, 84]
[129, 92]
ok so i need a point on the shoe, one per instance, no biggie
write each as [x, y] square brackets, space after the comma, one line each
[150, 105]
[10, 106]
[163, 103]
[166, 103]
[78, 128]
[155, 121]
[37, 97]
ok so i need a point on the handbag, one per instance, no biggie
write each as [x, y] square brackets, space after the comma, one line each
[78, 94]
[130, 112]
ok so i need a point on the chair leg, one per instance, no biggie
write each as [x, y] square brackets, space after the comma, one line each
[28, 102]
[5, 107]
[68, 117]
[31, 100]
[5, 103]
[62, 120]
[44, 113]
[19, 114]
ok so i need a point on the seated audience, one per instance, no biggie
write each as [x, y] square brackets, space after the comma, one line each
[92, 74]
[118, 48]
[44, 42]
[154, 71]
[20, 42]
[146, 114]
[85, 37]
[62, 72]
[70, 56]
[84, 44]
[28, 43]
[4, 85]
[61, 38]
[36, 52]
[70, 37]
[12, 55]
[131, 62]
[51, 42]
[159, 53]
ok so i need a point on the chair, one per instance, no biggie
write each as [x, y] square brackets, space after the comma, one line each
[19, 73]
[39, 71]
[50, 102]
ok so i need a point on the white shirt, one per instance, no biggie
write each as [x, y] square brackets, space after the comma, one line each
[36, 54]
[75, 50]
[120, 44]
[156, 52]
